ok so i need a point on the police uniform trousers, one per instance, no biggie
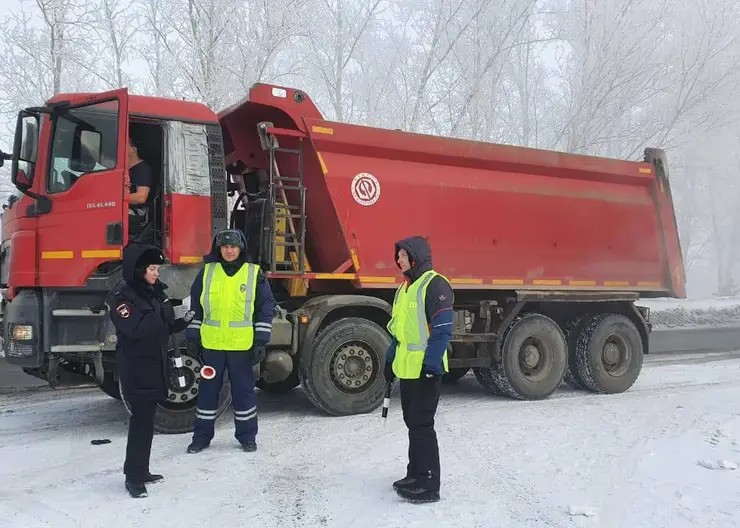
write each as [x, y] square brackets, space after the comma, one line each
[419, 399]
[140, 435]
[244, 401]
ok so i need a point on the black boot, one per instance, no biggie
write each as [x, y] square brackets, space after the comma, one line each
[417, 495]
[250, 446]
[153, 477]
[136, 489]
[197, 446]
[405, 482]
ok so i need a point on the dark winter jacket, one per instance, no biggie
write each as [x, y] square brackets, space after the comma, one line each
[144, 320]
[264, 304]
[438, 305]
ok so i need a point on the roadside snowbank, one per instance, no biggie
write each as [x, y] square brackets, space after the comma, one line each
[659, 455]
[672, 313]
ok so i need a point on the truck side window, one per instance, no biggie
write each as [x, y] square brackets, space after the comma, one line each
[85, 141]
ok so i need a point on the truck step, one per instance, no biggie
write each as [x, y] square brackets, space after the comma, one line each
[77, 348]
[288, 244]
[83, 312]
[473, 338]
[287, 179]
[290, 187]
[287, 150]
[281, 215]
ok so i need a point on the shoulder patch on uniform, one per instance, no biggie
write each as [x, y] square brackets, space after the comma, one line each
[123, 311]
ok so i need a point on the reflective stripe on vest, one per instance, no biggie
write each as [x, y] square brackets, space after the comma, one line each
[228, 307]
[409, 326]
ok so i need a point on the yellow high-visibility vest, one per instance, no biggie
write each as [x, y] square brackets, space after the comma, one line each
[228, 307]
[408, 325]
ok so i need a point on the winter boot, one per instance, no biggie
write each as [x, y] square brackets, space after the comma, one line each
[197, 446]
[405, 482]
[152, 478]
[417, 495]
[250, 446]
[136, 489]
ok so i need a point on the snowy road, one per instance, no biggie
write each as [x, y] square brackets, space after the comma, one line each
[626, 460]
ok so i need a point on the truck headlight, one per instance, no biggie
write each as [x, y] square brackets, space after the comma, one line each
[22, 333]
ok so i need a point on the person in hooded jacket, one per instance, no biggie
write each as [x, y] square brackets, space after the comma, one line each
[144, 319]
[421, 329]
[232, 323]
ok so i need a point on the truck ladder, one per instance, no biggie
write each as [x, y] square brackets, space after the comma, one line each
[292, 236]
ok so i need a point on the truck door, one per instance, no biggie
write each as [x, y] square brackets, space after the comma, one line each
[85, 221]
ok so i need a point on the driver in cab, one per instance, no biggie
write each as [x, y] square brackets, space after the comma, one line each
[140, 176]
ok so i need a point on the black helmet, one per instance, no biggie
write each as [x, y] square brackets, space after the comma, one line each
[230, 237]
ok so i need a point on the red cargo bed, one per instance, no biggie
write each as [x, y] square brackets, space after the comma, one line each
[497, 217]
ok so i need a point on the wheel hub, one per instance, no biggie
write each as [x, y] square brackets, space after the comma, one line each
[615, 356]
[352, 367]
[531, 356]
[611, 354]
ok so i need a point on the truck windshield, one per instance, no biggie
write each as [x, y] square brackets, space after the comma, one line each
[85, 141]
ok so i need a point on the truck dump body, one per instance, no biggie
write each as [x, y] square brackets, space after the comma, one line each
[497, 217]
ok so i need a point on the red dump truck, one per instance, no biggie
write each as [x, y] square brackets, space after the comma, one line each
[547, 251]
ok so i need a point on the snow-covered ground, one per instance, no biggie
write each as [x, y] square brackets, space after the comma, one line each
[713, 311]
[639, 459]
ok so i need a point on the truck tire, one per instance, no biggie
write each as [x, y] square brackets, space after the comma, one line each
[110, 386]
[342, 373]
[534, 358]
[487, 378]
[454, 375]
[572, 330]
[609, 353]
[280, 387]
[177, 414]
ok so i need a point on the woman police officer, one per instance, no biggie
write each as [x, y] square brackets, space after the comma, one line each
[144, 319]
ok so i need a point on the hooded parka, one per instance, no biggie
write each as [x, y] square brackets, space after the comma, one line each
[144, 320]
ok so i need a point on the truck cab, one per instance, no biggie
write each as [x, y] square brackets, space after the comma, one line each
[64, 231]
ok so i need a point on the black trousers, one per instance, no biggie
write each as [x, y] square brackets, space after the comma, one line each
[419, 399]
[140, 435]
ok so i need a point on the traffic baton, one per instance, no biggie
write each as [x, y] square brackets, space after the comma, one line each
[386, 401]
[178, 366]
[177, 363]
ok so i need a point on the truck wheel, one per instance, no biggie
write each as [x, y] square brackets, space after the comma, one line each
[342, 373]
[177, 414]
[487, 378]
[534, 358]
[280, 387]
[609, 353]
[110, 386]
[454, 375]
[572, 330]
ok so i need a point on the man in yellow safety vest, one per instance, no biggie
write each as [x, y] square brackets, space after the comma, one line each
[232, 323]
[421, 329]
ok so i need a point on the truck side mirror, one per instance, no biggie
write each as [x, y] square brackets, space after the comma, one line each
[25, 149]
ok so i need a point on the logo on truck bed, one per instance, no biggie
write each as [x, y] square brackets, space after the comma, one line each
[365, 189]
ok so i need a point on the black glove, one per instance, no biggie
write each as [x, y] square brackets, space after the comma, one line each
[388, 372]
[258, 354]
[168, 312]
[427, 373]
